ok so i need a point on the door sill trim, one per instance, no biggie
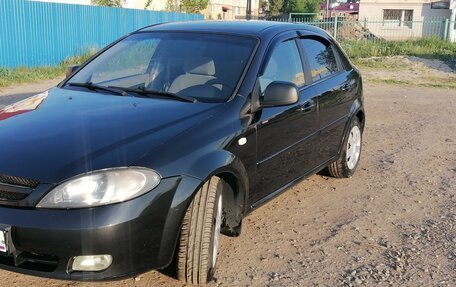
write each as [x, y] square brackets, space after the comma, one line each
[291, 183]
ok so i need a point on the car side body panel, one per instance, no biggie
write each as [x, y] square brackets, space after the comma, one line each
[259, 152]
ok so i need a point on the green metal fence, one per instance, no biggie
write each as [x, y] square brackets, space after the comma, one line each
[374, 29]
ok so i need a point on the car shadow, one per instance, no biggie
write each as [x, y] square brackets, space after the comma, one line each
[324, 172]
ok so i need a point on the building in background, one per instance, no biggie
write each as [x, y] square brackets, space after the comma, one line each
[398, 11]
[451, 5]
[157, 5]
[341, 10]
[453, 21]
[401, 19]
[235, 9]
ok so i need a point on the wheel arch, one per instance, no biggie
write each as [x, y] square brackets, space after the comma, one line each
[356, 110]
[233, 204]
[361, 117]
[234, 175]
[232, 171]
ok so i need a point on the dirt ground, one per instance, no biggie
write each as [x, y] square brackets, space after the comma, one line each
[392, 224]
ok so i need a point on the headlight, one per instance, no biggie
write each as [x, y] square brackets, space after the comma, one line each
[101, 188]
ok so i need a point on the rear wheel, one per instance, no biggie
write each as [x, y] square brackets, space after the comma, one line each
[346, 165]
[200, 233]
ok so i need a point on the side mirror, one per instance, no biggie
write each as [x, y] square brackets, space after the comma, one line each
[70, 70]
[280, 94]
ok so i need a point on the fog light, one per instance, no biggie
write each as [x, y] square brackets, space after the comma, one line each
[91, 262]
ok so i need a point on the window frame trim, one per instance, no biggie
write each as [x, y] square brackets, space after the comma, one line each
[291, 35]
[340, 65]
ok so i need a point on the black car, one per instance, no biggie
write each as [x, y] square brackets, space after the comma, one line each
[167, 138]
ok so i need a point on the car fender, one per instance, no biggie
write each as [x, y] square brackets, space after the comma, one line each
[222, 161]
[217, 162]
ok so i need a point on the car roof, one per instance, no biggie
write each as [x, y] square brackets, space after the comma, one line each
[247, 28]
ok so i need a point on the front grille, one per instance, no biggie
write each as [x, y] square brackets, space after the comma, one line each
[8, 195]
[31, 261]
[14, 188]
[15, 180]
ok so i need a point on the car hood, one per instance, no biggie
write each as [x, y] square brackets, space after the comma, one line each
[62, 133]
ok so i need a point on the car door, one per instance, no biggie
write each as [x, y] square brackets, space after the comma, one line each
[333, 86]
[286, 136]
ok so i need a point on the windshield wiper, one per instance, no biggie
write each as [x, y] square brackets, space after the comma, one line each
[92, 86]
[148, 93]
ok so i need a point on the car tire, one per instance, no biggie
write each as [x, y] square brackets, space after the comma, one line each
[199, 236]
[346, 165]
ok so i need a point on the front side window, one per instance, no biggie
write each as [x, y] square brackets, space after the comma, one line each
[320, 57]
[202, 66]
[283, 65]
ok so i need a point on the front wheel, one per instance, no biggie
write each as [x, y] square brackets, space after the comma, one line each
[200, 233]
[346, 165]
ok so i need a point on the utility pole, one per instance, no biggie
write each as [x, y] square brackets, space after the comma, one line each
[452, 26]
[327, 9]
[248, 10]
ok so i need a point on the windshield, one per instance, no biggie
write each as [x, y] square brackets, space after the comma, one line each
[205, 67]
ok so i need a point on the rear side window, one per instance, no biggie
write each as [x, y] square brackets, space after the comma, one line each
[320, 57]
[283, 65]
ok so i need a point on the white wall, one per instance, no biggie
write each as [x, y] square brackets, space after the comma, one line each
[157, 5]
[372, 11]
[237, 8]
[453, 21]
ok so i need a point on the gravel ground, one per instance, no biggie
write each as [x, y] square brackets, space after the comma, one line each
[392, 224]
[411, 71]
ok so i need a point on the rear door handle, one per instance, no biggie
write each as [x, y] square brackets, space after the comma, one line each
[307, 106]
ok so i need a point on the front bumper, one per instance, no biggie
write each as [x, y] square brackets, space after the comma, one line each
[140, 234]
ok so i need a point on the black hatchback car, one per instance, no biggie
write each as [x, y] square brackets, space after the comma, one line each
[166, 139]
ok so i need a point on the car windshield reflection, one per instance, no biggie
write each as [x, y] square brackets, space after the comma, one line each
[206, 67]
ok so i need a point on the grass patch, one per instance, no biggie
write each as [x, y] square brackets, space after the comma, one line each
[26, 75]
[378, 63]
[429, 48]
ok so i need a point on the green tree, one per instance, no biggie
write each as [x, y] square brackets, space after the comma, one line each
[264, 4]
[312, 6]
[172, 5]
[109, 3]
[194, 6]
[275, 7]
[148, 2]
[301, 6]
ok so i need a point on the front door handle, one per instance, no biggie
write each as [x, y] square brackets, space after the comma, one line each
[346, 88]
[307, 106]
